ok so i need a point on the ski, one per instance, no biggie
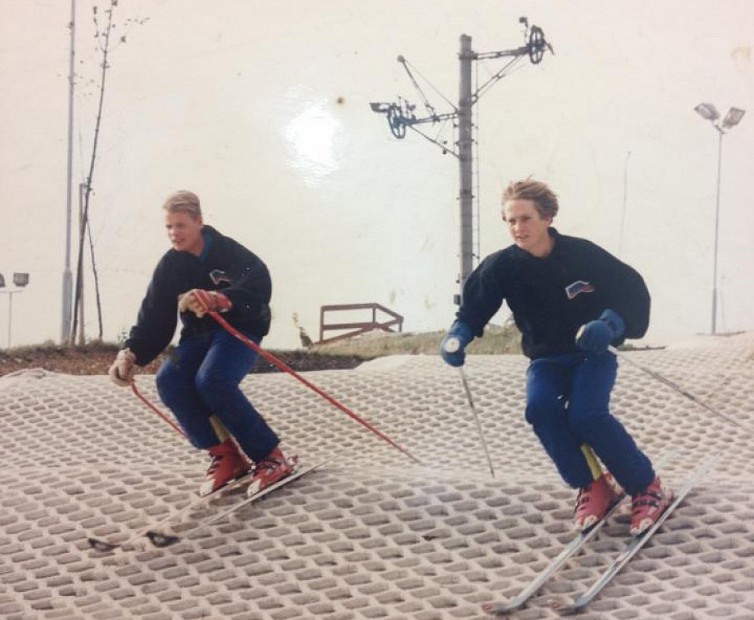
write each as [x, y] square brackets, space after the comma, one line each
[635, 544]
[571, 549]
[162, 539]
[496, 608]
[105, 546]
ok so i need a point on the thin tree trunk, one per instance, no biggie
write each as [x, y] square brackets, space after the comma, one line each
[85, 222]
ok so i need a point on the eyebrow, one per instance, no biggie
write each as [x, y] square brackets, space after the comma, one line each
[525, 216]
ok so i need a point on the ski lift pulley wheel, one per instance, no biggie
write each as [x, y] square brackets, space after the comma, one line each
[396, 121]
[536, 44]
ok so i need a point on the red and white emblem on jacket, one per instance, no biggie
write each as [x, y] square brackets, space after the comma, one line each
[575, 288]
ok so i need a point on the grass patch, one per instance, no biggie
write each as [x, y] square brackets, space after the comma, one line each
[96, 357]
[496, 340]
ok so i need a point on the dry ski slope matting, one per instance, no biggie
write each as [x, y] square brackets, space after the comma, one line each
[371, 534]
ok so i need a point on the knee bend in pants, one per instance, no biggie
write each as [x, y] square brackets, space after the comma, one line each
[542, 410]
[213, 387]
[170, 384]
[582, 419]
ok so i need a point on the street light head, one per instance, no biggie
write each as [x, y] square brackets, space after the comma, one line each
[733, 117]
[707, 111]
[20, 279]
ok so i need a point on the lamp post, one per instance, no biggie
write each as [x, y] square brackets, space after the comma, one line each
[709, 112]
[20, 280]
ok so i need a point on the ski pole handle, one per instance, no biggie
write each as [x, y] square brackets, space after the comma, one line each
[452, 345]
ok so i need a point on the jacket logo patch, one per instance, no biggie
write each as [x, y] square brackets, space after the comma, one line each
[218, 275]
[573, 290]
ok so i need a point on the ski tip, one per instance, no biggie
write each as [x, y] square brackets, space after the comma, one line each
[565, 608]
[497, 609]
[102, 545]
[162, 540]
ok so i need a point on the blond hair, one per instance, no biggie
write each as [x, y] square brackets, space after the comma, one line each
[545, 200]
[183, 201]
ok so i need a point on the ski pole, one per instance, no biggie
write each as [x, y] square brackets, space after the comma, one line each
[220, 430]
[451, 346]
[673, 386]
[282, 366]
[173, 425]
[476, 418]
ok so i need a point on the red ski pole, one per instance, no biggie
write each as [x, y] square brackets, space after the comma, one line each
[282, 366]
[139, 395]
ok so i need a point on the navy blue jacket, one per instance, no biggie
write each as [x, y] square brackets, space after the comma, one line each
[224, 265]
[552, 297]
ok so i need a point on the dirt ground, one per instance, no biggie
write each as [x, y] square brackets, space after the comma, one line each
[96, 359]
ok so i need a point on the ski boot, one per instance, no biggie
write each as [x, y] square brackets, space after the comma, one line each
[227, 464]
[647, 506]
[275, 466]
[594, 500]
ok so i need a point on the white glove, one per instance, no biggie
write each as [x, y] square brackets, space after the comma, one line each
[123, 370]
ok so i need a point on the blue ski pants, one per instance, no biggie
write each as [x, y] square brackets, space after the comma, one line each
[202, 377]
[567, 404]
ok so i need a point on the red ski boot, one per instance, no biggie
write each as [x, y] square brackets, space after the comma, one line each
[227, 465]
[647, 506]
[594, 500]
[275, 466]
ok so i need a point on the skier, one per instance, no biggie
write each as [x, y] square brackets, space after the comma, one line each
[199, 381]
[571, 300]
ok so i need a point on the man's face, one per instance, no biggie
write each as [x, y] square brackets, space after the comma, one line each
[184, 232]
[527, 227]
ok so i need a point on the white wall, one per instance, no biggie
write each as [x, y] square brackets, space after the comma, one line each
[263, 109]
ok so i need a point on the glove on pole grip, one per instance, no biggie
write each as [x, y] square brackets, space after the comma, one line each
[452, 345]
[597, 335]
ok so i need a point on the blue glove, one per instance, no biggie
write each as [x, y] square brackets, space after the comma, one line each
[455, 341]
[596, 336]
